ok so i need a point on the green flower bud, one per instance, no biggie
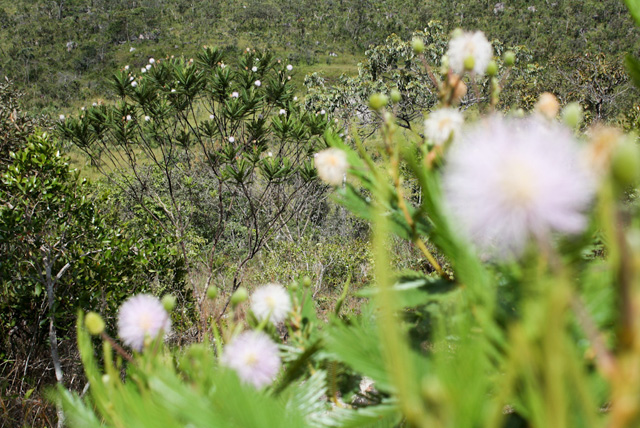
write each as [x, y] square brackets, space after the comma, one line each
[168, 302]
[492, 68]
[625, 163]
[239, 296]
[377, 101]
[94, 323]
[572, 114]
[417, 44]
[212, 293]
[306, 281]
[396, 96]
[509, 58]
[469, 63]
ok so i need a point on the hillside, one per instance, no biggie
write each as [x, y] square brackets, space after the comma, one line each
[61, 52]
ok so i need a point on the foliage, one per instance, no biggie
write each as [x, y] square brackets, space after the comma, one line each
[60, 252]
[395, 66]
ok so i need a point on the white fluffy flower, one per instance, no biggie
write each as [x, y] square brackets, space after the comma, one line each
[331, 165]
[126, 67]
[282, 111]
[271, 301]
[254, 69]
[142, 316]
[95, 104]
[289, 67]
[211, 116]
[295, 98]
[62, 117]
[254, 357]
[441, 123]
[232, 139]
[234, 94]
[148, 66]
[132, 49]
[257, 83]
[151, 60]
[143, 70]
[134, 83]
[470, 45]
[173, 91]
[147, 118]
[128, 117]
[323, 112]
[509, 180]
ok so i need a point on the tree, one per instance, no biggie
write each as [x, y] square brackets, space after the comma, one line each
[201, 144]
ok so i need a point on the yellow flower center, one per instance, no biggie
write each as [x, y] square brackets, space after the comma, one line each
[145, 321]
[519, 183]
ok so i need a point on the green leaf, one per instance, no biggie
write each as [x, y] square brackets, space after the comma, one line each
[412, 292]
[633, 68]
[634, 8]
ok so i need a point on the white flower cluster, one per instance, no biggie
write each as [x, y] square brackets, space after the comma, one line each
[509, 180]
[470, 47]
[141, 317]
[442, 124]
[331, 165]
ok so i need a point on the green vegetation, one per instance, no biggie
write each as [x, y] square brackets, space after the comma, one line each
[284, 169]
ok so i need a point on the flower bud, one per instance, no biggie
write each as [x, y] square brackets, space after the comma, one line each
[212, 293]
[509, 58]
[377, 101]
[458, 87]
[547, 105]
[396, 96]
[306, 281]
[572, 115]
[417, 44]
[492, 68]
[469, 63]
[168, 302]
[94, 323]
[625, 164]
[239, 296]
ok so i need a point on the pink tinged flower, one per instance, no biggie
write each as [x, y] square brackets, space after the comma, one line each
[148, 66]
[140, 317]
[254, 357]
[134, 83]
[272, 302]
[509, 180]
[234, 94]
[441, 124]
[470, 45]
[151, 60]
[289, 67]
[254, 69]
[331, 165]
[257, 83]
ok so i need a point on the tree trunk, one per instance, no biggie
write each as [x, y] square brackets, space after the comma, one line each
[53, 337]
